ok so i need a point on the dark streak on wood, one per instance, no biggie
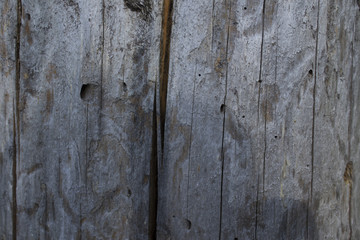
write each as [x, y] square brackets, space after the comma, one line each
[16, 137]
[224, 115]
[313, 119]
[102, 60]
[258, 113]
[14, 203]
[153, 185]
[265, 143]
[261, 58]
[314, 102]
[164, 63]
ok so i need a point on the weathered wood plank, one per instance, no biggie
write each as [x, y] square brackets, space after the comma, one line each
[286, 106]
[283, 122]
[8, 33]
[60, 56]
[118, 168]
[258, 138]
[333, 127]
[243, 132]
[354, 125]
[189, 198]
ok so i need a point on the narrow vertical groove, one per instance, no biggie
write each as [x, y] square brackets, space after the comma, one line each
[16, 137]
[102, 61]
[313, 121]
[314, 102]
[258, 112]
[224, 118]
[212, 24]
[190, 143]
[261, 58]
[265, 146]
[14, 202]
[153, 186]
[164, 63]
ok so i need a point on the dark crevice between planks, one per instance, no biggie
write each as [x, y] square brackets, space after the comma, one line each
[258, 118]
[153, 185]
[313, 119]
[166, 28]
[164, 63]
[223, 109]
[16, 135]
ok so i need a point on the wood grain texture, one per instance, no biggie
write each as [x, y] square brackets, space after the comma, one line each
[253, 130]
[8, 32]
[60, 57]
[334, 109]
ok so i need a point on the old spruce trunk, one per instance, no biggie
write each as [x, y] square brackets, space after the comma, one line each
[144, 119]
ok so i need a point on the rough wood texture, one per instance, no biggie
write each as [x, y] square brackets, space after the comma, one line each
[8, 129]
[255, 124]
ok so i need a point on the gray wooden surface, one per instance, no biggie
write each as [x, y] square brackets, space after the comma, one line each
[258, 137]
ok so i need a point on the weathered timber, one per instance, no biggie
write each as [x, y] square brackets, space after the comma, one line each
[8, 126]
[143, 119]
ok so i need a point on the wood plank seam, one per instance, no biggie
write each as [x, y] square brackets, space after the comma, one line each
[16, 136]
[164, 63]
[223, 107]
[313, 119]
[258, 116]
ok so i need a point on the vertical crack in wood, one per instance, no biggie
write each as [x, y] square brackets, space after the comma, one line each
[153, 185]
[212, 24]
[261, 58]
[166, 28]
[224, 119]
[16, 135]
[258, 112]
[313, 118]
[102, 62]
[351, 103]
[265, 144]
[190, 143]
[164, 63]
[14, 202]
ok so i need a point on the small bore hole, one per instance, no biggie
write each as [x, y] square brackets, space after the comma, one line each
[199, 75]
[28, 16]
[222, 107]
[129, 192]
[244, 9]
[188, 224]
[311, 72]
[243, 116]
[260, 81]
[83, 90]
[276, 136]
